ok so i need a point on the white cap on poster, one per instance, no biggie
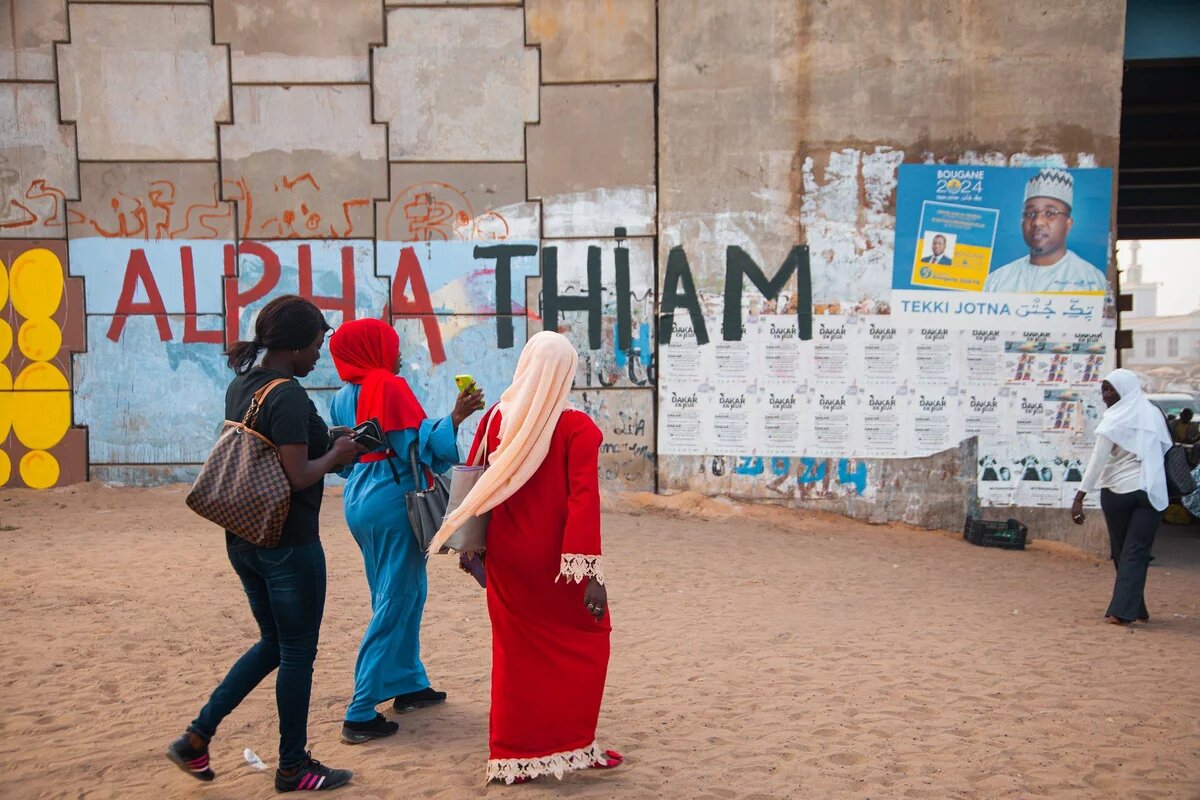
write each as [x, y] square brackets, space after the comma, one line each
[1056, 184]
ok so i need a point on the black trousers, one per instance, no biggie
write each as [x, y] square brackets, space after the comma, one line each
[1132, 523]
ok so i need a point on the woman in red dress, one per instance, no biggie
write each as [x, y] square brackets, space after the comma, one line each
[545, 573]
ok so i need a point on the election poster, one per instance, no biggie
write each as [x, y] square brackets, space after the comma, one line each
[999, 327]
[1001, 246]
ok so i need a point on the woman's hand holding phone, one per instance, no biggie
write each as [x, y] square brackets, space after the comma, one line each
[470, 400]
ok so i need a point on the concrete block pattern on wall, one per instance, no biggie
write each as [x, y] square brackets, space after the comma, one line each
[626, 418]
[313, 41]
[28, 30]
[458, 202]
[138, 97]
[585, 41]
[955, 75]
[401, 3]
[304, 162]
[730, 103]
[37, 163]
[591, 159]
[152, 201]
[456, 84]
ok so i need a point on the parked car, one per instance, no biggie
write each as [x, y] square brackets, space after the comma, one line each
[1172, 403]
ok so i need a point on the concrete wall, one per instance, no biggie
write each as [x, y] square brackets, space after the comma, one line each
[476, 172]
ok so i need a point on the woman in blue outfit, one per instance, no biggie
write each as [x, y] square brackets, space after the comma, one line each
[366, 353]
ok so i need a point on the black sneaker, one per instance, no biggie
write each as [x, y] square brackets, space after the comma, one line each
[413, 700]
[192, 761]
[359, 732]
[312, 776]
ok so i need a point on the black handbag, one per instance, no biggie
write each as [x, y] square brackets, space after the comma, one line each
[426, 505]
[1180, 482]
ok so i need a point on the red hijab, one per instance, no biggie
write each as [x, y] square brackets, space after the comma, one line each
[365, 352]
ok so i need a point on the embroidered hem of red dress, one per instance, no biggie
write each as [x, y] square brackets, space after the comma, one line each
[556, 764]
[577, 566]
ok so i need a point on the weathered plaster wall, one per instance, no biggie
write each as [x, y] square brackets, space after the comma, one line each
[471, 171]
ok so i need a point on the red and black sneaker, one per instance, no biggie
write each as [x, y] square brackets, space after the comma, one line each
[191, 760]
[312, 776]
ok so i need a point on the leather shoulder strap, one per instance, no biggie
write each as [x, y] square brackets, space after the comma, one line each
[482, 453]
[256, 402]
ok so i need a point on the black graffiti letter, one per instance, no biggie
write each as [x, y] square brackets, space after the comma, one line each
[679, 290]
[737, 264]
[553, 303]
[504, 254]
[624, 312]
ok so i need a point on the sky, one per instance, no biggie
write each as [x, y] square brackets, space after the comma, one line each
[1175, 263]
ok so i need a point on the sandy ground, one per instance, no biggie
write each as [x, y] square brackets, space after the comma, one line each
[757, 653]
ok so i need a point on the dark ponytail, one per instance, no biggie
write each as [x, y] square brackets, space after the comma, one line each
[242, 356]
[288, 322]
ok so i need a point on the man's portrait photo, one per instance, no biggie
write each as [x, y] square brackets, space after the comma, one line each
[1045, 225]
[936, 253]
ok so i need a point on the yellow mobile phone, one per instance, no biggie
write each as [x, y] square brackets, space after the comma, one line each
[463, 382]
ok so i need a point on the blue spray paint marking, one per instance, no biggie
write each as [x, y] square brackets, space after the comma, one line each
[857, 478]
[641, 346]
[812, 471]
[850, 472]
[749, 466]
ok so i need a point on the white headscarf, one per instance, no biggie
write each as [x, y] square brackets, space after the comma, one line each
[1133, 423]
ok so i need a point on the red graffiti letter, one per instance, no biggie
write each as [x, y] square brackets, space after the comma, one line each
[408, 271]
[345, 303]
[235, 301]
[191, 330]
[138, 270]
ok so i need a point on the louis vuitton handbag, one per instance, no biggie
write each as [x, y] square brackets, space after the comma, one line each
[242, 486]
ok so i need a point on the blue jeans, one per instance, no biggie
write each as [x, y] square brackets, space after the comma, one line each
[286, 590]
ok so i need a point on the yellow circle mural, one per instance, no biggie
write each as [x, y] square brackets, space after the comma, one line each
[41, 375]
[39, 469]
[5, 468]
[5, 405]
[39, 339]
[36, 284]
[5, 338]
[3, 284]
[40, 419]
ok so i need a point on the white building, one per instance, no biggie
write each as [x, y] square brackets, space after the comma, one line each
[1145, 295]
[1166, 350]
[1163, 341]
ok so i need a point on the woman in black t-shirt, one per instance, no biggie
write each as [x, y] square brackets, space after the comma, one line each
[284, 584]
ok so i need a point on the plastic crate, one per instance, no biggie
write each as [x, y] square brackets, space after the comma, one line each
[1009, 535]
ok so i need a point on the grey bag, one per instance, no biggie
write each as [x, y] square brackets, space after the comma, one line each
[426, 506]
[473, 533]
[1180, 482]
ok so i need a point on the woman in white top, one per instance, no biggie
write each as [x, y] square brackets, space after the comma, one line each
[1127, 464]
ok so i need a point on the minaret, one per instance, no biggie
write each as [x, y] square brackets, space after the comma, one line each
[1145, 295]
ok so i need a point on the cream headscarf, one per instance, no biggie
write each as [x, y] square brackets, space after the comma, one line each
[529, 411]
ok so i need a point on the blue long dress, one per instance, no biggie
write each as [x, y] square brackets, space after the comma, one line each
[389, 658]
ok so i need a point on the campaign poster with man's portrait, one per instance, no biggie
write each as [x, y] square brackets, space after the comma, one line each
[971, 241]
